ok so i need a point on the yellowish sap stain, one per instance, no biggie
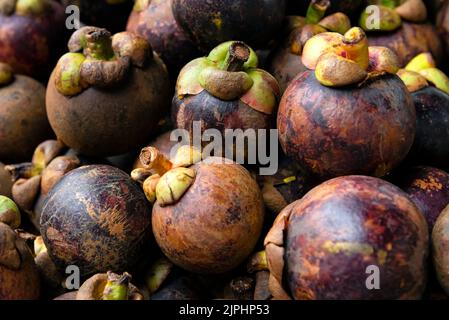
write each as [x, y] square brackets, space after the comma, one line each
[382, 256]
[348, 248]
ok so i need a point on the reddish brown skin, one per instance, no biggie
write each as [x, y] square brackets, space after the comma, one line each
[23, 283]
[440, 244]
[357, 210]
[216, 114]
[428, 187]
[106, 122]
[316, 126]
[216, 223]
[252, 21]
[23, 119]
[432, 127]
[96, 218]
[31, 45]
[101, 14]
[284, 65]
[158, 25]
[5, 181]
[409, 41]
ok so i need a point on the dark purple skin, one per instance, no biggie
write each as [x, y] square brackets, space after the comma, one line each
[210, 23]
[347, 224]
[428, 187]
[96, 218]
[216, 113]
[432, 128]
[316, 126]
[32, 45]
[158, 25]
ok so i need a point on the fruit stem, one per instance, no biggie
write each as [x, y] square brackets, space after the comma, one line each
[355, 46]
[316, 11]
[116, 287]
[238, 54]
[152, 158]
[99, 44]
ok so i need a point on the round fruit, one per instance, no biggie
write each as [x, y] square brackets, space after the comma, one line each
[428, 188]
[325, 128]
[154, 21]
[107, 100]
[32, 35]
[23, 120]
[210, 23]
[343, 237]
[96, 218]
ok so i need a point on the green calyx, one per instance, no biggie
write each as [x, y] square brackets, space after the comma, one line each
[117, 287]
[9, 212]
[316, 11]
[380, 18]
[32, 7]
[6, 74]
[229, 73]
[68, 74]
[97, 59]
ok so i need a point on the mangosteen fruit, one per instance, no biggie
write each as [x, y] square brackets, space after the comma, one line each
[322, 246]
[32, 35]
[109, 286]
[23, 119]
[351, 115]
[210, 23]
[207, 215]
[403, 29]
[19, 277]
[5, 181]
[154, 21]
[428, 188]
[33, 180]
[109, 14]
[429, 87]
[225, 91]
[286, 61]
[106, 96]
[96, 218]
[440, 246]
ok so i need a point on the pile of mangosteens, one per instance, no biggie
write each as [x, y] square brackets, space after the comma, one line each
[134, 150]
